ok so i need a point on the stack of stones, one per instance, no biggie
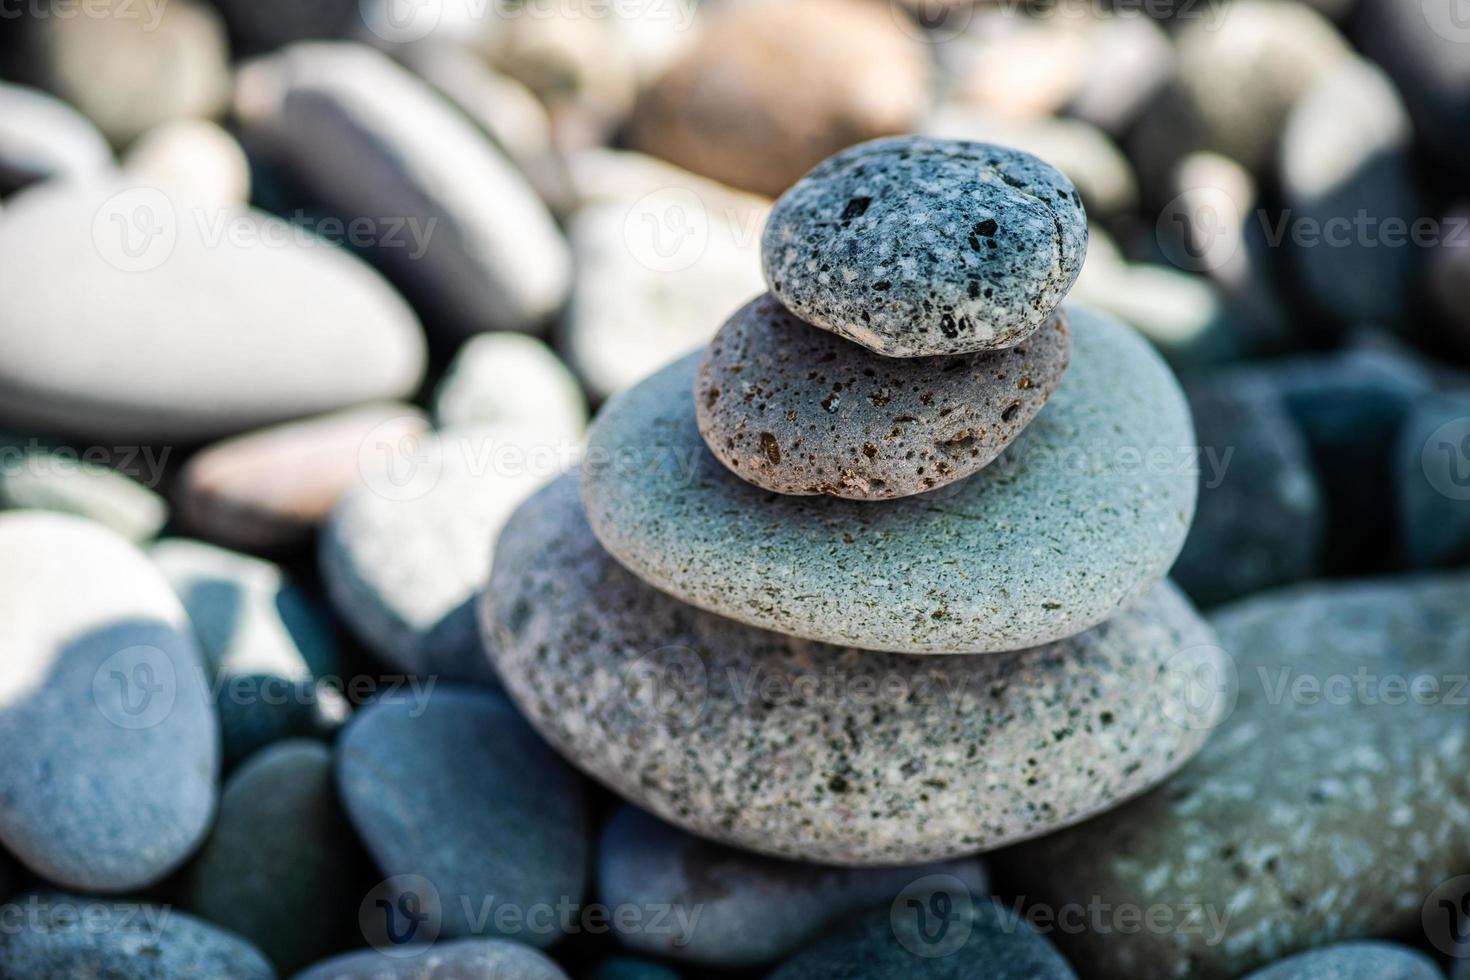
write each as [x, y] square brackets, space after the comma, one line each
[837, 588]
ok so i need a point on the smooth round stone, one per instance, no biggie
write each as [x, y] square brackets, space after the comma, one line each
[805, 751]
[194, 157]
[468, 958]
[109, 781]
[1083, 512]
[129, 67]
[33, 478]
[1347, 151]
[224, 321]
[797, 410]
[731, 909]
[1354, 693]
[511, 379]
[1354, 961]
[913, 246]
[626, 969]
[1261, 519]
[281, 867]
[474, 246]
[1127, 60]
[769, 89]
[268, 490]
[265, 643]
[460, 791]
[1430, 490]
[43, 138]
[1182, 315]
[409, 547]
[52, 936]
[996, 945]
[634, 311]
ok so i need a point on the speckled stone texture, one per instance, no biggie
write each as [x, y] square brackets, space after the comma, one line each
[53, 936]
[798, 410]
[1354, 961]
[730, 908]
[490, 958]
[997, 945]
[1327, 807]
[914, 246]
[1082, 513]
[841, 756]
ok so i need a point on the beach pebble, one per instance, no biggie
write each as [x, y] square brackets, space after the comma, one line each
[126, 319]
[489, 958]
[409, 547]
[109, 781]
[54, 936]
[914, 246]
[983, 938]
[194, 158]
[622, 968]
[511, 379]
[43, 138]
[1261, 519]
[281, 868]
[1081, 513]
[656, 276]
[455, 224]
[130, 66]
[1432, 481]
[1449, 277]
[733, 909]
[804, 751]
[269, 489]
[34, 476]
[1353, 692]
[1354, 961]
[1127, 59]
[1346, 155]
[769, 89]
[798, 410]
[458, 790]
[1181, 314]
[265, 643]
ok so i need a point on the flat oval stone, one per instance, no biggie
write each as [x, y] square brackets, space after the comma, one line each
[34, 476]
[1354, 961]
[57, 935]
[41, 137]
[511, 379]
[914, 246]
[1083, 511]
[465, 958]
[1328, 805]
[802, 411]
[108, 780]
[729, 908]
[282, 867]
[842, 756]
[458, 790]
[171, 334]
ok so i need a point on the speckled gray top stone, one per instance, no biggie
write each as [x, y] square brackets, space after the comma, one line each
[914, 246]
[842, 756]
[1327, 807]
[802, 411]
[1080, 514]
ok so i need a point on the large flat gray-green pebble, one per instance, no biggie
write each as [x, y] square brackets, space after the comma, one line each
[1354, 961]
[467, 959]
[914, 246]
[1083, 511]
[817, 753]
[1328, 807]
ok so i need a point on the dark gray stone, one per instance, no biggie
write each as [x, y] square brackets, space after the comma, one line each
[913, 246]
[1432, 481]
[626, 969]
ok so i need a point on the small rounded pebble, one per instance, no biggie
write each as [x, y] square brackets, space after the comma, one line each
[802, 411]
[37, 478]
[195, 158]
[468, 959]
[42, 138]
[54, 936]
[816, 753]
[456, 788]
[914, 246]
[512, 379]
[1354, 961]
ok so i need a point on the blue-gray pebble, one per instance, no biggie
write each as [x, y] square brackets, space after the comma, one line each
[625, 969]
[467, 959]
[1354, 961]
[458, 789]
[1085, 510]
[52, 936]
[914, 246]
[1432, 482]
